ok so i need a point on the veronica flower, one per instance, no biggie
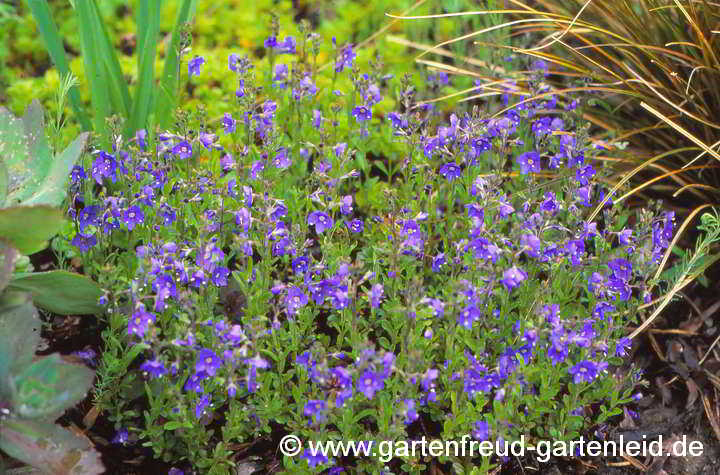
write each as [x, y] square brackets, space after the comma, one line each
[139, 321]
[183, 150]
[376, 293]
[513, 277]
[104, 166]
[133, 216]
[345, 58]
[369, 383]
[339, 149]
[315, 410]
[451, 171]
[355, 226]
[281, 75]
[229, 123]
[529, 162]
[154, 368]
[201, 406]
[362, 113]
[586, 371]
[208, 362]
[194, 65]
[282, 158]
[322, 221]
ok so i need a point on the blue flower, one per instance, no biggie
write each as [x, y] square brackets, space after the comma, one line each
[194, 65]
[529, 162]
[451, 171]
[322, 221]
[362, 113]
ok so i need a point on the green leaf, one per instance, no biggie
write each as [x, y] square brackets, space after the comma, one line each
[148, 21]
[4, 183]
[172, 425]
[95, 70]
[49, 386]
[50, 448]
[59, 291]
[28, 228]
[19, 336]
[170, 77]
[38, 146]
[53, 188]
[54, 44]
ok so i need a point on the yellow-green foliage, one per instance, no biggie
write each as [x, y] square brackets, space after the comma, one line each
[221, 28]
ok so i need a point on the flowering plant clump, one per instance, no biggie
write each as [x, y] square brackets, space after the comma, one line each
[263, 281]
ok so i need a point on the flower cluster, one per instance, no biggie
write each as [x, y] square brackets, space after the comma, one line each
[456, 291]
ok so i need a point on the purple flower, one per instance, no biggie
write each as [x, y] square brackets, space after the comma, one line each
[133, 216]
[438, 261]
[409, 411]
[623, 344]
[194, 65]
[104, 166]
[316, 458]
[481, 431]
[625, 237]
[121, 437]
[621, 269]
[450, 171]
[256, 167]
[345, 58]
[219, 276]
[229, 123]
[77, 174]
[141, 138]
[201, 405]
[139, 321]
[84, 242]
[154, 368]
[183, 150]
[376, 293]
[559, 345]
[208, 362]
[513, 277]
[362, 113]
[339, 149]
[281, 75]
[168, 214]
[468, 316]
[369, 383]
[232, 62]
[322, 221]
[282, 159]
[355, 226]
[315, 410]
[586, 371]
[295, 299]
[529, 162]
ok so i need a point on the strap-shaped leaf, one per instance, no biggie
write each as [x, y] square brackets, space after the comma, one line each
[41, 12]
[148, 21]
[49, 447]
[165, 101]
[59, 291]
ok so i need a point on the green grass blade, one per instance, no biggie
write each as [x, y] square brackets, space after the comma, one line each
[41, 12]
[171, 70]
[94, 69]
[119, 92]
[148, 22]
